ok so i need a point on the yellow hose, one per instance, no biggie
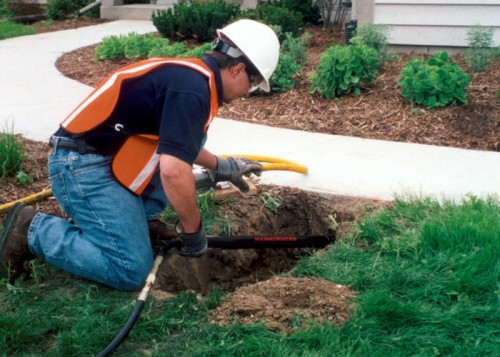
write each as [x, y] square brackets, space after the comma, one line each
[36, 197]
[273, 163]
[269, 163]
[285, 167]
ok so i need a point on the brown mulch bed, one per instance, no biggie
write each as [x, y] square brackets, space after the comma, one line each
[379, 113]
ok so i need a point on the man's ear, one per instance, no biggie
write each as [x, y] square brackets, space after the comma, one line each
[237, 69]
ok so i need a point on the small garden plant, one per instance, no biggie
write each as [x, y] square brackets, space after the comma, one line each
[343, 68]
[11, 155]
[134, 46]
[292, 58]
[436, 83]
[481, 47]
[375, 36]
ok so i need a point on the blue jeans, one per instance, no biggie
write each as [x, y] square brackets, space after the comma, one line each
[108, 240]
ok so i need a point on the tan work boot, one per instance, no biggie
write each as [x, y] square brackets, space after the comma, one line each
[14, 250]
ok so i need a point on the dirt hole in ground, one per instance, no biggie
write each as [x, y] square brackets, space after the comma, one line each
[250, 276]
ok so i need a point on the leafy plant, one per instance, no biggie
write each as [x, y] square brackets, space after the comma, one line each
[481, 45]
[111, 48]
[198, 51]
[196, 19]
[23, 178]
[437, 83]
[374, 36]
[296, 47]
[342, 69]
[270, 202]
[140, 47]
[283, 77]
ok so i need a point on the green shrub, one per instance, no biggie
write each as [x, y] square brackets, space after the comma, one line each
[343, 68]
[134, 46]
[271, 14]
[5, 12]
[374, 36]
[308, 10]
[296, 47]
[138, 46]
[283, 77]
[293, 54]
[197, 51]
[173, 50]
[11, 155]
[59, 9]
[197, 19]
[480, 50]
[437, 83]
[111, 48]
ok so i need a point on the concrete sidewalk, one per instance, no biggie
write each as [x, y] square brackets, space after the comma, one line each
[35, 97]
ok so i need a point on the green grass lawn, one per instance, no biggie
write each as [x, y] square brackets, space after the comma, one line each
[427, 274]
[12, 29]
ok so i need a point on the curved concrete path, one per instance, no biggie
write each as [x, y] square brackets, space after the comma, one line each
[35, 97]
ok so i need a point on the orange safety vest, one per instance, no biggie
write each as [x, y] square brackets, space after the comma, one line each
[136, 161]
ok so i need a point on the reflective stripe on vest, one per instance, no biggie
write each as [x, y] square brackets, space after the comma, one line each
[136, 161]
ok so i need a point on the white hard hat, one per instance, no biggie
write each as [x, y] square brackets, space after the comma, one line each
[259, 44]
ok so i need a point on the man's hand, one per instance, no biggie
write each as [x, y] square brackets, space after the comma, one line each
[234, 168]
[194, 245]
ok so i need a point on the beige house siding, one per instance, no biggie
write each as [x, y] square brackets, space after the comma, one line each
[430, 24]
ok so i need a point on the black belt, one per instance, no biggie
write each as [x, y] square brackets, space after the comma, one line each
[78, 145]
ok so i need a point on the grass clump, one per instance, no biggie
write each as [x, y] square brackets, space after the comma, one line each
[11, 155]
[213, 220]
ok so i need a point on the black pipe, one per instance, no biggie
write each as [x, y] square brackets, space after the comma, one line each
[269, 241]
[141, 300]
[233, 242]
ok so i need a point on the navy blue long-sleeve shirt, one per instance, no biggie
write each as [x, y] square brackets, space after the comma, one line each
[172, 101]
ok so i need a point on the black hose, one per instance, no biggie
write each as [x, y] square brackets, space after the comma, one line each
[113, 345]
[141, 300]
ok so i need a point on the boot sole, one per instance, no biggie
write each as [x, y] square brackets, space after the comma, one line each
[8, 225]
